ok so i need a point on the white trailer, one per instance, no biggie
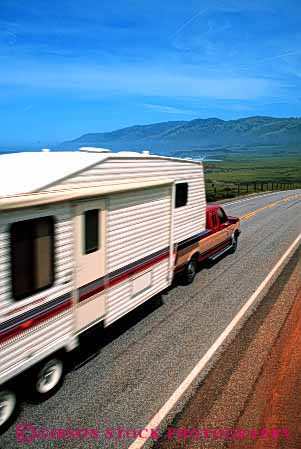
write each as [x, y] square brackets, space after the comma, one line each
[85, 237]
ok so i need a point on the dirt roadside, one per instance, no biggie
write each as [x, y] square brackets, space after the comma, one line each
[276, 400]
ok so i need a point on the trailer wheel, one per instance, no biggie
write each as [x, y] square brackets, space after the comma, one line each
[8, 407]
[189, 272]
[47, 378]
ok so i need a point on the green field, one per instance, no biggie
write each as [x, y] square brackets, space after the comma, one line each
[238, 172]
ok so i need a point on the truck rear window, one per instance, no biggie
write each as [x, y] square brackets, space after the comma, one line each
[222, 216]
[214, 220]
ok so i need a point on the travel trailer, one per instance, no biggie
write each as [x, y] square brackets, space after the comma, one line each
[86, 237]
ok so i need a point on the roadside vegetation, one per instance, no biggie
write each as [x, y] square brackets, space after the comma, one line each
[249, 172]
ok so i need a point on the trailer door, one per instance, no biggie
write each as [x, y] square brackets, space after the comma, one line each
[90, 262]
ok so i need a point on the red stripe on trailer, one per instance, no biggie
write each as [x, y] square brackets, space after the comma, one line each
[91, 293]
[135, 270]
[123, 276]
[33, 322]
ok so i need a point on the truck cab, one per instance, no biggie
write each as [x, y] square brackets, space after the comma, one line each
[223, 230]
[220, 237]
[217, 219]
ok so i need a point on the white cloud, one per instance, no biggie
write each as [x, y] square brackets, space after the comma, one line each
[178, 81]
[168, 109]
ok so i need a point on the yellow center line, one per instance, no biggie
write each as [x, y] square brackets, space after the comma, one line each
[269, 206]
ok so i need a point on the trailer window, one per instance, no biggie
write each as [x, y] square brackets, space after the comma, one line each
[91, 230]
[32, 256]
[181, 194]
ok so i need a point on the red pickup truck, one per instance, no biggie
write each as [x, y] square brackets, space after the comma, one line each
[221, 236]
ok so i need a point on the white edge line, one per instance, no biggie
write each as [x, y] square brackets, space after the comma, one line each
[174, 398]
[263, 195]
[255, 197]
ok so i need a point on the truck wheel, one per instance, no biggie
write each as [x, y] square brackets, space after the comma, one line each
[8, 406]
[234, 244]
[47, 378]
[189, 272]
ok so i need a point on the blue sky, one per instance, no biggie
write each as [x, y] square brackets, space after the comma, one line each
[74, 66]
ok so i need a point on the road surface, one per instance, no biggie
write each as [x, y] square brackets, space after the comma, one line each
[144, 358]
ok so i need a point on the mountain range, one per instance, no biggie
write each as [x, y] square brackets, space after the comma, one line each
[198, 133]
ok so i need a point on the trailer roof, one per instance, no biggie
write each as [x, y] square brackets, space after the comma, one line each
[59, 196]
[29, 172]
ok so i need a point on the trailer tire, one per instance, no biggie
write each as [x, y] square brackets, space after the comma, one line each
[190, 271]
[47, 378]
[8, 408]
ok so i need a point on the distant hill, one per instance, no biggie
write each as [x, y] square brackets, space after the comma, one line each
[198, 133]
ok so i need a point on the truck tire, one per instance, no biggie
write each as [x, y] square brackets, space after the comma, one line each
[234, 244]
[47, 377]
[190, 271]
[8, 408]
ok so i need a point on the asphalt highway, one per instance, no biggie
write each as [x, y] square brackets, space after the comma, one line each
[123, 377]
